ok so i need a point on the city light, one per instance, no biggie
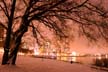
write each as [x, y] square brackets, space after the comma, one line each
[74, 53]
[73, 58]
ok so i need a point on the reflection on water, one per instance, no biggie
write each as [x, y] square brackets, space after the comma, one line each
[81, 59]
[84, 60]
[73, 59]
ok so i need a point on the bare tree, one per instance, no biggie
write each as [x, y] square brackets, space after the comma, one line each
[19, 16]
[92, 18]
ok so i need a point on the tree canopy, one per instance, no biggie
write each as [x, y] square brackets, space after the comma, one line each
[17, 16]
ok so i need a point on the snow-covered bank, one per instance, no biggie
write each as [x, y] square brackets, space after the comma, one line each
[30, 64]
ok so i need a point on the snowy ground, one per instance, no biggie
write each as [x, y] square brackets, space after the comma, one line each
[30, 64]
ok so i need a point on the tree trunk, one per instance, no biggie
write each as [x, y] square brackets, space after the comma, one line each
[20, 34]
[14, 57]
[13, 54]
[8, 34]
[5, 57]
[16, 43]
[6, 48]
[14, 51]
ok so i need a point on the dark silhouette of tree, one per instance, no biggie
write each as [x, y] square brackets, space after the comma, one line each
[20, 15]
